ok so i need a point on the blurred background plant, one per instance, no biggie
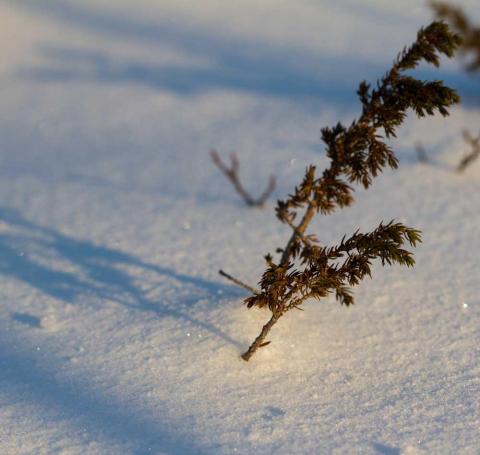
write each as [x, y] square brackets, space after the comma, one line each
[458, 20]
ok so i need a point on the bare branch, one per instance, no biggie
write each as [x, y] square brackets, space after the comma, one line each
[232, 174]
[468, 159]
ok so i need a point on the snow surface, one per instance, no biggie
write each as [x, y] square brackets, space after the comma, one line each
[117, 336]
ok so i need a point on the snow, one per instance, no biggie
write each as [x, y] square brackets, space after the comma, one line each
[117, 335]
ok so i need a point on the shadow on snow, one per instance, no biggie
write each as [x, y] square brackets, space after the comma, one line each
[233, 63]
[81, 407]
[26, 249]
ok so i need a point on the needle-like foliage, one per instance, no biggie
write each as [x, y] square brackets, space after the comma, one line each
[470, 33]
[357, 153]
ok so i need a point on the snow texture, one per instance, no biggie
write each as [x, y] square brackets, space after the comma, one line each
[117, 335]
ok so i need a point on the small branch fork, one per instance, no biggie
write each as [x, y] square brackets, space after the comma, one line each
[232, 174]
[473, 155]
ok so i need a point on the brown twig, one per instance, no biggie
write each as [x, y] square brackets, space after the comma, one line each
[238, 282]
[232, 174]
[468, 159]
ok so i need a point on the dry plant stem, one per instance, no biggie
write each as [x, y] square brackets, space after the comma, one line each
[232, 174]
[238, 282]
[473, 155]
[298, 231]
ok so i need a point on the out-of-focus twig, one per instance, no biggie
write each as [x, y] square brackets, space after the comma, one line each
[460, 22]
[468, 159]
[232, 174]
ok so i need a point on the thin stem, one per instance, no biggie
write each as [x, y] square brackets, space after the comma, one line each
[268, 191]
[232, 174]
[238, 282]
[298, 232]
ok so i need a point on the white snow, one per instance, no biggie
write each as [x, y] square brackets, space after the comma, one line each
[117, 335]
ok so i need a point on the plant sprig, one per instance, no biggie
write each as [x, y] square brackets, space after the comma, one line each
[357, 153]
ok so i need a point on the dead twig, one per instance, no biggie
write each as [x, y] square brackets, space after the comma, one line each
[238, 282]
[468, 159]
[232, 174]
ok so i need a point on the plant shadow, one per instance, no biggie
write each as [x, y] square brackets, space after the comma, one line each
[231, 63]
[28, 251]
[383, 449]
[81, 407]
[27, 319]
